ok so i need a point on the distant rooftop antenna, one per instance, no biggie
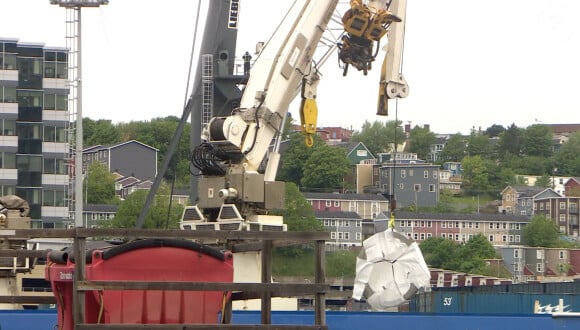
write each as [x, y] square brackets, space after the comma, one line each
[73, 41]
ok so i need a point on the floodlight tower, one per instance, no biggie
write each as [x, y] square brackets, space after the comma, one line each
[74, 45]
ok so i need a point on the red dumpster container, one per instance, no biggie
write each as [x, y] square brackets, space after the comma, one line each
[153, 260]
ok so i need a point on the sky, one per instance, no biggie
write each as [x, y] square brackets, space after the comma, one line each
[469, 64]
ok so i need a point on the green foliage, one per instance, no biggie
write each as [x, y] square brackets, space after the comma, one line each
[378, 136]
[99, 185]
[511, 142]
[298, 213]
[541, 232]
[494, 130]
[478, 145]
[475, 174]
[295, 157]
[538, 141]
[468, 257]
[544, 181]
[421, 139]
[568, 157]
[325, 168]
[158, 216]
[454, 149]
[100, 132]
[338, 264]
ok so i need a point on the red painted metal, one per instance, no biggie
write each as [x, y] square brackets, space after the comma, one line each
[145, 263]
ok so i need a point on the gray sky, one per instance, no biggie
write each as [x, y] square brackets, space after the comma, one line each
[468, 63]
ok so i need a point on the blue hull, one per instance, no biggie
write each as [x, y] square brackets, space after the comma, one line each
[46, 320]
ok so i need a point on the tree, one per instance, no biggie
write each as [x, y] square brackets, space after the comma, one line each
[438, 251]
[475, 174]
[494, 130]
[538, 141]
[379, 136]
[294, 158]
[541, 232]
[100, 132]
[478, 145]
[421, 140]
[325, 168]
[454, 149]
[468, 257]
[99, 185]
[511, 141]
[298, 213]
[544, 181]
[158, 216]
[471, 255]
[568, 157]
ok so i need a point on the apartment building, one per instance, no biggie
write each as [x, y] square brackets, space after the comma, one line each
[34, 119]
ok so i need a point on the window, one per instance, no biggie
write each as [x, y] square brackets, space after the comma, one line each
[417, 187]
[54, 134]
[422, 236]
[511, 238]
[352, 206]
[477, 225]
[328, 203]
[547, 205]
[540, 267]
[8, 127]
[358, 236]
[339, 235]
[55, 102]
[562, 217]
[444, 235]
[332, 235]
[401, 186]
[358, 223]
[491, 225]
[7, 94]
[403, 173]
[337, 203]
[490, 238]
[347, 235]
[562, 205]
[562, 254]
[425, 174]
[29, 163]
[7, 159]
[411, 172]
[54, 166]
[504, 238]
[443, 224]
[539, 254]
[517, 237]
[516, 253]
[517, 267]
[431, 188]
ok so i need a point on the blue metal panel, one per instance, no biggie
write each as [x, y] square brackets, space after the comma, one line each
[46, 320]
[488, 302]
[412, 321]
[28, 319]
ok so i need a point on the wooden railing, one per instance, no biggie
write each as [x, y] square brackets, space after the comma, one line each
[234, 240]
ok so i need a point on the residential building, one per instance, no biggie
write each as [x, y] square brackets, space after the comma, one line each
[130, 158]
[447, 182]
[454, 168]
[345, 228]
[367, 206]
[563, 211]
[499, 229]
[334, 135]
[572, 187]
[557, 183]
[410, 184]
[356, 153]
[34, 122]
[95, 214]
[520, 199]
[437, 147]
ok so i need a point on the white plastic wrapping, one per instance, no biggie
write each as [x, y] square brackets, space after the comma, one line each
[389, 270]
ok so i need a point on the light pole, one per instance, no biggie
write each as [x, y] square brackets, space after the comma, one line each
[74, 42]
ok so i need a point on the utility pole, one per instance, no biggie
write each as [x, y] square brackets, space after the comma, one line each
[74, 45]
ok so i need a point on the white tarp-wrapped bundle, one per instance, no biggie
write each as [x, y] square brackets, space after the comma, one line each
[389, 270]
